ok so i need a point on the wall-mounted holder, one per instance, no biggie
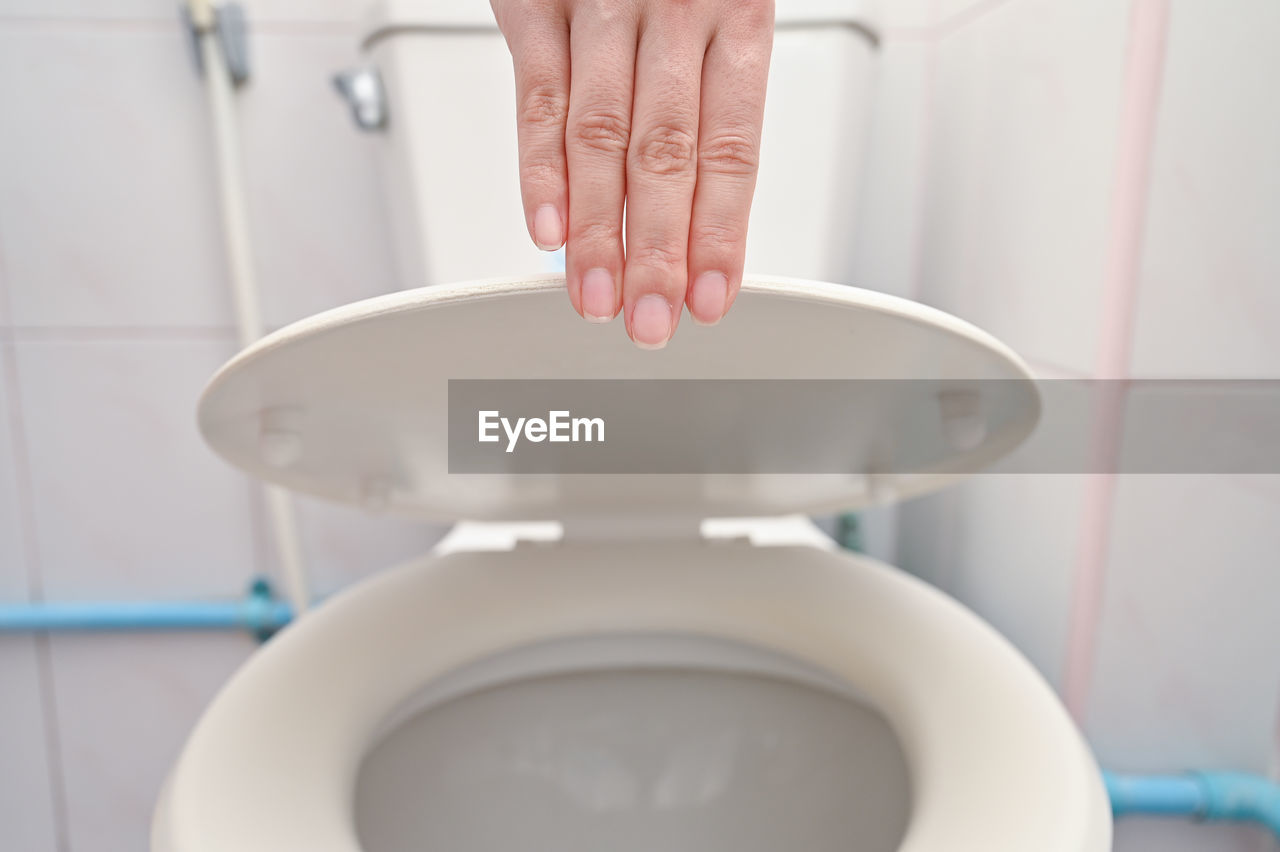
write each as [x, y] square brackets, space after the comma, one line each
[363, 90]
[230, 27]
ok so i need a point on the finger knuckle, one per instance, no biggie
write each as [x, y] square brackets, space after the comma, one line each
[665, 150]
[540, 171]
[666, 255]
[605, 13]
[754, 16]
[544, 106]
[603, 130]
[719, 237]
[596, 233]
[729, 154]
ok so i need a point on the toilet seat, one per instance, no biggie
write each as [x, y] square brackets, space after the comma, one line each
[272, 764]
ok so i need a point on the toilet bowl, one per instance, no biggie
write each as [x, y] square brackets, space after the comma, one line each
[645, 678]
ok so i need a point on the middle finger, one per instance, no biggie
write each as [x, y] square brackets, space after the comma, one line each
[603, 58]
[662, 173]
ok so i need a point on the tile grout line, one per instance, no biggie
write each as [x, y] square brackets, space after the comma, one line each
[157, 25]
[945, 578]
[35, 581]
[1140, 102]
[932, 35]
[1275, 754]
[968, 15]
[260, 558]
[119, 334]
[936, 30]
[928, 99]
[1062, 371]
[53, 744]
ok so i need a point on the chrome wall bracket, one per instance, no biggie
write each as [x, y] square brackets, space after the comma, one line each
[231, 28]
[364, 93]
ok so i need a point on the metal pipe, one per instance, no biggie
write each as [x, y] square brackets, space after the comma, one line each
[239, 249]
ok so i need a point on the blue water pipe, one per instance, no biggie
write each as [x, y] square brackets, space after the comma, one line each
[1226, 796]
[1210, 796]
[259, 612]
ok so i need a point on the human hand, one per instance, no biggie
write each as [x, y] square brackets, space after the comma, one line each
[656, 104]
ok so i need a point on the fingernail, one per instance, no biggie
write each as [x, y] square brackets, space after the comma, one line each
[548, 230]
[598, 299]
[651, 322]
[708, 298]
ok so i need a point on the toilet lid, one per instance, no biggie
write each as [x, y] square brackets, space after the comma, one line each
[886, 399]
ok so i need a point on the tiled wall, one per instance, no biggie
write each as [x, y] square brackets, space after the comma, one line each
[113, 313]
[1097, 183]
[1031, 160]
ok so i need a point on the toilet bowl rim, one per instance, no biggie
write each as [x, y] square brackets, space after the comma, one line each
[933, 743]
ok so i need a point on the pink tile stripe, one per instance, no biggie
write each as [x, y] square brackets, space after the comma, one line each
[1148, 31]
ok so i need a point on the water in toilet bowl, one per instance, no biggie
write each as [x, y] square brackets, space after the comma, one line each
[639, 759]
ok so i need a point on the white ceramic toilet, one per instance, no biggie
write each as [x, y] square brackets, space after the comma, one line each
[620, 662]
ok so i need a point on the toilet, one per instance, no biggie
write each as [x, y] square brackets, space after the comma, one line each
[644, 676]
[628, 659]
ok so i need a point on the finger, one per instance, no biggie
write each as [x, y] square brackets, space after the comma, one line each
[661, 173]
[539, 43]
[603, 56]
[734, 76]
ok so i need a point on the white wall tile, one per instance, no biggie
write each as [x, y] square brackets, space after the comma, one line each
[26, 796]
[107, 208]
[321, 234]
[89, 10]
[905, 14]
[308, 11]
[1209, 304]
[928, 18]
[275, 11]
[342, 544]
[13, 563]
[1004, 545]
[1180, 835]
[888, 236]
[126, 704]
[127, 233]
[1020, 173]
[878, 526]
[947, 10]
[26, 799]
[128, 500]
[925, 535]
[1187, 674]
